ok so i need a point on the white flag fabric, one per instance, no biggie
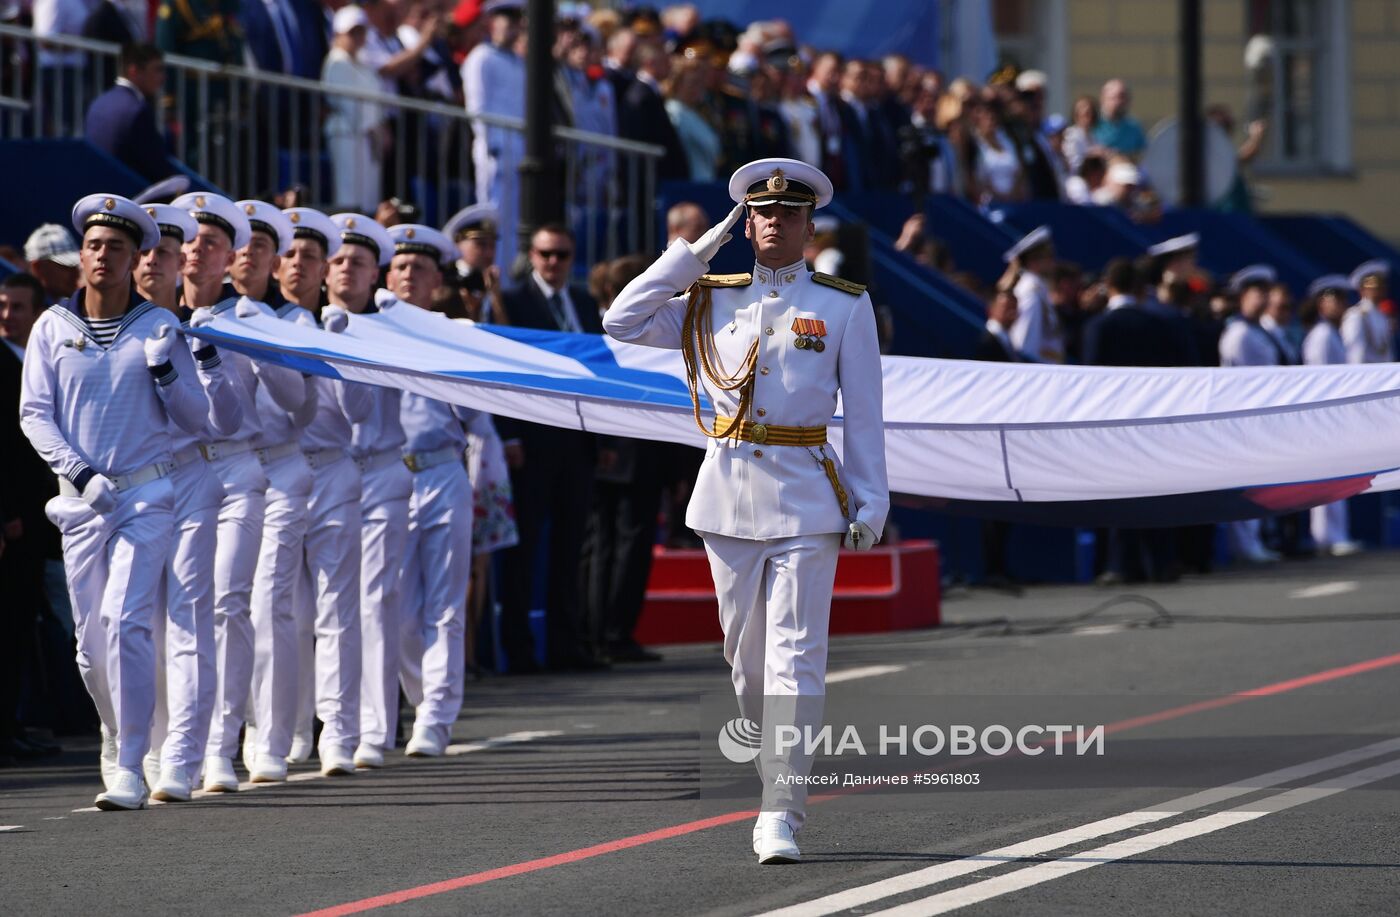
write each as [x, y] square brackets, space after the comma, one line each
[1054, 444]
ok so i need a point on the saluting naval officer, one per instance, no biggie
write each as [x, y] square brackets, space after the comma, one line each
[473, 229]
[184, 634]
[104, 373]
[438, 559]
[772, 350]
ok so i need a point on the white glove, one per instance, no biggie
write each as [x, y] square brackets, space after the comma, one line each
[159, 345]
[861, 537]
[201, 317]
[385, 300]
[335, 319]
[707, 246]
[100, 494]
[246, 308]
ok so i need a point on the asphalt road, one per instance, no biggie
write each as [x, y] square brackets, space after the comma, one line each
[605, 793]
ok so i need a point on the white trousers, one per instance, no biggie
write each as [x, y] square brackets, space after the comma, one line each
[498, 182]
[1244, 538]
[114, 564]
[274, 604]
[235, 560]
[775, 609]
[328, 607]
[354, 170]
[1330, 524]
[384, 498]
[187, 673]
[437, 570]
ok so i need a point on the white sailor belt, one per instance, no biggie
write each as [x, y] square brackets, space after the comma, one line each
[377, 460]
[422, 461]
[212, 452]
[320, 458]
[270, 454]
[122, 482]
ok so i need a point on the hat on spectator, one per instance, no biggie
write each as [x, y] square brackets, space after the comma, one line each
[119, 213]
[174, 222]
[217, 210]
[308, 223]
[1124, 173]
[1330, 283]
[475, 222]
[1029, 242]
[1030, 81]
[349, 18]
[1254, 275]
[780, 181]
[51, 242]
[1378, 269]
[267, 218]
[164, 190]
[466, 12]
[417, 239]
[358, 229]
[1176, 244]
[501, 7]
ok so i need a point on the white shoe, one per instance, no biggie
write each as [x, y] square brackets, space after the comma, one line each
[150, 767]
[268, 769]
[1263, 556]
[1345, 548]
[108, 757]
[125, 791]
[173, 785]
[336, 762]
[219, 776]
[428, 741]
[776, 844]
[302, 747]
[368, 756]
[250, 747]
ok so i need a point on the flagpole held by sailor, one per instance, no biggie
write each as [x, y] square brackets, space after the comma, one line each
[771, 350]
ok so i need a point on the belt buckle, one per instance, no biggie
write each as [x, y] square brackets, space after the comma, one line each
[759, 433]
[411, 460]
[209, 452]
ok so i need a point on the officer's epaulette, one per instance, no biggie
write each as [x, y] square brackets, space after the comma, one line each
[845, 286]
[726, 280]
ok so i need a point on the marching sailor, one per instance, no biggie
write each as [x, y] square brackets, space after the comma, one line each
[1324, 346]
[104, 373]
[438, 561]
[772, 350]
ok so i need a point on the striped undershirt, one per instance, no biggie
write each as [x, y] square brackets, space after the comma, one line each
[105, 329]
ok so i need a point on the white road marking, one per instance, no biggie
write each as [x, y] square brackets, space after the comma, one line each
[10, 827]
[1044, 872]
[511, 738]
[1322, 590]
[865, 671]
[1098, 630]
[943, 872]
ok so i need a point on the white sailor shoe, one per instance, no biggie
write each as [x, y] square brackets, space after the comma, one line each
[150, 767]
[125, 791]
[428, 741]
[173, 785]
[368, 756]
[336, 762]
[302, 747]
[776, 843]
[267, 769]
[219, 776]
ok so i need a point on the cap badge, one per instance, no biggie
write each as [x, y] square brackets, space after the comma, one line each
[199, 201]
[294, 217]
[778, 182]
[249, 209]
[109, 204]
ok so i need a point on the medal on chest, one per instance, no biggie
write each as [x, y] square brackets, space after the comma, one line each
[810, 332]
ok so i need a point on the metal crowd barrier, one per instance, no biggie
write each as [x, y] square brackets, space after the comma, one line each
[250, 133]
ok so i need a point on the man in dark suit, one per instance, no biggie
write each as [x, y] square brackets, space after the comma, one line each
[122, 120]
[551, 476]
[641, 111]
[994, 346]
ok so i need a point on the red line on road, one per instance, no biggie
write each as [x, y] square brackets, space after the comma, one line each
[690, 827]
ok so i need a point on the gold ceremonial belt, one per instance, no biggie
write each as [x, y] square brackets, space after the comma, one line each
[767, 434]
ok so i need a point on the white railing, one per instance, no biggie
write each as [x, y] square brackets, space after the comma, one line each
[249, 133]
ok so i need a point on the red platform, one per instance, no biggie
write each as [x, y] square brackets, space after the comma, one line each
[884, 589]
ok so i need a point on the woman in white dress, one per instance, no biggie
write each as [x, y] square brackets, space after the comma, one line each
[996, 174]
[354, 132]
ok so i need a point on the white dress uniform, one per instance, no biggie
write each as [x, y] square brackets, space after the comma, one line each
[1036, 331]
[1324, 346]
[769, 515]
[493, 80]
[1245, 343]
[95, 410]
[1366, 334]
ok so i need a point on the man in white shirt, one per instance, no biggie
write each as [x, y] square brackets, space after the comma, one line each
[1036, 332]
[1366, 329]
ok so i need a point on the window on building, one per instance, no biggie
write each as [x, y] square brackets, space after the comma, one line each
[1296, 58]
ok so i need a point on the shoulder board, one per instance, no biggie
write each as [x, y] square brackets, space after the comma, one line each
[845, 286]
[726, 280]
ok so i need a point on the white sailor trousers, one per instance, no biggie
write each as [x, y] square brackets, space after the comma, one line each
[330, 600]
[1329, 524]
[114, 564]
[235, 559]
[274, 604]
[384, 498]
[184, 634]
[775, 608]
[437, 570]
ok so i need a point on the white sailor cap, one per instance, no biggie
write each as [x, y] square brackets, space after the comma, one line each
[511, 7]
[174, 222]
[265, 217]
[780, 181]
[1377, 268]
[417, 239]
[164, 190]
[119, 213]
[1338, 283]
[824, 224]
[1252, 275]
[1176, 244]
[1031, 240]
[349, 18]
[358, 229]
[474, 222]
[217, 210]
[308, 223]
